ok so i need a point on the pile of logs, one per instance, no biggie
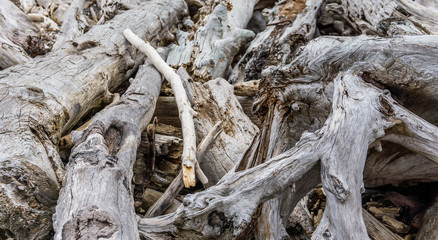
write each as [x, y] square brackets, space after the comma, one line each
[230, 119]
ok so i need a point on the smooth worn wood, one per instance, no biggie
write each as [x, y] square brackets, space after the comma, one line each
[44, 98]
[96, 198]
[186, 113]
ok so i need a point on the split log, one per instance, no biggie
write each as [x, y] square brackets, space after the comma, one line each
[37, 106]
[104, 154]
[19, 38]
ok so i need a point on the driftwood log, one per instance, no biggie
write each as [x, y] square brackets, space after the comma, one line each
[354, 110]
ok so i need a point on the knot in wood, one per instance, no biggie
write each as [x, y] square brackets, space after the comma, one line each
[90, 223]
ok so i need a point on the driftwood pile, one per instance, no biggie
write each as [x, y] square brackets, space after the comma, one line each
[226, 119]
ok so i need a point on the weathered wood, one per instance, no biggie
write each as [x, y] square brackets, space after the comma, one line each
[186, 113]
[249, 88]
[218, 38]
[390, 17]
[376, 230]
[44, 98]
[277, 44]
[96, 201]
[70, 28]
[214, 101]
[167, 111]
[151, 196]
[19, 38]
[177, 184]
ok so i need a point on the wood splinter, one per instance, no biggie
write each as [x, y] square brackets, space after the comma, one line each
[189, 163]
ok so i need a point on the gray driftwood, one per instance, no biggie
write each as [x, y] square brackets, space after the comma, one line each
[20, 40]
[44, 98]
[103, 155]
[236, 197]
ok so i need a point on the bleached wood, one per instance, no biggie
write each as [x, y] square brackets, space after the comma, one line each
[19, 38]
[343, 196]
[177, 184]
[189, 162]
[218, 38]
[104, 154]
[42, 99]
[70, 27]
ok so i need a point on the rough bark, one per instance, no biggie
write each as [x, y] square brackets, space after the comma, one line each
[19, 38]
[44, 98]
